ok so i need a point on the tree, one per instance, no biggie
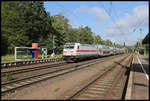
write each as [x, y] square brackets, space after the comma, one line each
[37, 22]
[60, 33]
[23, 23]
[98, 39]
[73, 35]
[27, 22]
[85, 35]
[108, 42]
[11, 26]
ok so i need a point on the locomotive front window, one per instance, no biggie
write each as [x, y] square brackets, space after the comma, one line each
[69, 47]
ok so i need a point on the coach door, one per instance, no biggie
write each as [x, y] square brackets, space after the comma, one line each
[100, 51]
[78, 52]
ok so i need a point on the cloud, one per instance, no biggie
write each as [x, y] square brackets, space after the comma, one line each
[130, 41]
[82, 8]
[139, 17]
[99, 13]
[129, 22]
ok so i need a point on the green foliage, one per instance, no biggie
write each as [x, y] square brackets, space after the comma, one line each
[7, 57]
[23, 23]
[98, 39]
[8, 25]
[27, 22]
[141, 48]
[60, 35]
[8, 77]
[108, 42]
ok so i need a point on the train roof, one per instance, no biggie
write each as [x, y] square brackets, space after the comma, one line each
[71, 43]
[103, 46]
[99, 45]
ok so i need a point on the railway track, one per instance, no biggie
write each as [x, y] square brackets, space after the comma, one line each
[27, 62]
[31, 69]
[105, 85]
[15, 84]
[13, 72]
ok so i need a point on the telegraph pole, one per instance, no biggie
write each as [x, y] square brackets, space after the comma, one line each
[53, 43]
[53, 54]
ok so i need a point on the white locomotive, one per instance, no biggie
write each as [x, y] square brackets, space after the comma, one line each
[76, 51]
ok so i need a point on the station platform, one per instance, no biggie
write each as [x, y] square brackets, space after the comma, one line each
[138, 83]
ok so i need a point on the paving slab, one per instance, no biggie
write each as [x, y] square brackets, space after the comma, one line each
[138, 85]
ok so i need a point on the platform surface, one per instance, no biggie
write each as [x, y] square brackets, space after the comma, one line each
[140, 78]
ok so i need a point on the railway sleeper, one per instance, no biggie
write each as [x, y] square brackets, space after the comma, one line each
[91, 96]
[9, 87]
[17, 85]
[99, 88]
[88, 93]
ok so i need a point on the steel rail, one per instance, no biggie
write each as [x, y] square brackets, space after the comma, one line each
[92, 81]
[27, 62]
[117, 79]
[31, 69]
[60, 69]
[71, 69]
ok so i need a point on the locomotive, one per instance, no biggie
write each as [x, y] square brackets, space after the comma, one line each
[73, 52]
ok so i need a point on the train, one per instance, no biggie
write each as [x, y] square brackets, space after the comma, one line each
[74, 52]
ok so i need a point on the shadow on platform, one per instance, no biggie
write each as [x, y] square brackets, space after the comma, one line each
[138, 68]
[139, 84]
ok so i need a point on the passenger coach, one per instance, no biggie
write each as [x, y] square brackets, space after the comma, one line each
[76, 51]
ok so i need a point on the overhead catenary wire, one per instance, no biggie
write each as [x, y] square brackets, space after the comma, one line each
[113, 7]
[136, 26]
[109, 13]
[110, 16]
[110, 9]
[112, 19]
[114, 10]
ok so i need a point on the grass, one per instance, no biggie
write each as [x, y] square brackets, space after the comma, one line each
[8, 77]
[11, 57]
[146, 53]
[56, 56]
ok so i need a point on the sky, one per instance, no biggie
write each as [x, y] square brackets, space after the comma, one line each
[116, 21]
